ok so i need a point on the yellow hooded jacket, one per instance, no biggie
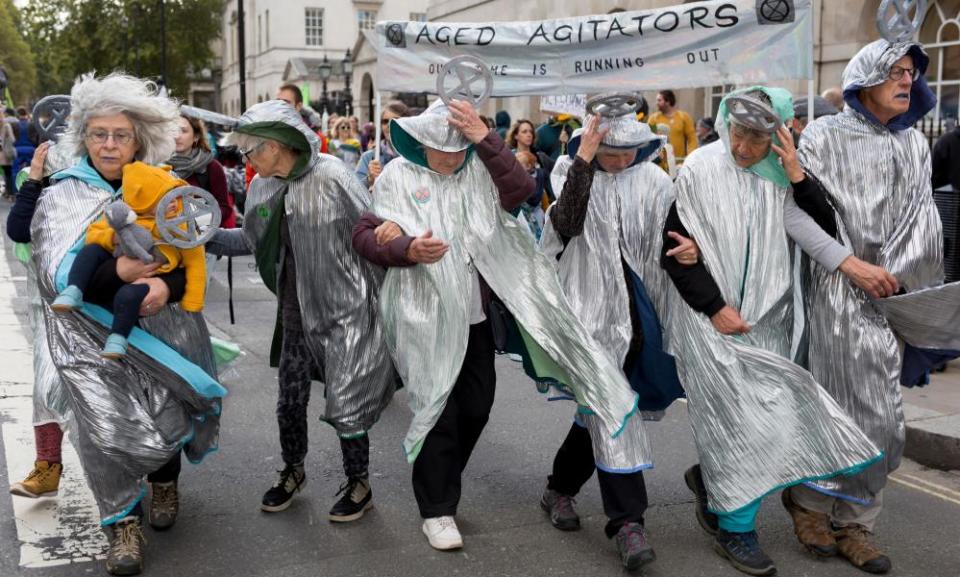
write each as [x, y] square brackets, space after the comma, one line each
[143, 187]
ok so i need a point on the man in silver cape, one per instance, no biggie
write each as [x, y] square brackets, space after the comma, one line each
[453, 186]
[604, 234]
[300, 212]
[875, 170]
[760, 421]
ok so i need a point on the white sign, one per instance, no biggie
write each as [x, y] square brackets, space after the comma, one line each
[572, 104]
[703, 44]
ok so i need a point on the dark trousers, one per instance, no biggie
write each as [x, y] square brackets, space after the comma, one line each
[293, 398]
[447, 448]
[127, 299]
[624, 495]
[8, 180]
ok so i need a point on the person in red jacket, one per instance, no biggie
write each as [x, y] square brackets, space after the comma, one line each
[193, 161]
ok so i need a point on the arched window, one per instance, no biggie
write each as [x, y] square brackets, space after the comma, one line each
[940, 35]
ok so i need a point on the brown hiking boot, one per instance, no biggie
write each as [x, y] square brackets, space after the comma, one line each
[164, 505]
[855, 544]
[43, 481]
[126, 547]
[812, 529]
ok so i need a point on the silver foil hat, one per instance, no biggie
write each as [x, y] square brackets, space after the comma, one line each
[431, 129]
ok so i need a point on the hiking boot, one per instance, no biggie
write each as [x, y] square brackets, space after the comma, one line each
[633, 547]
[442, 533]
[357, 499]
[694, 479]
[43, 481]
[291, 481]
[854, 543]
[164, 505]
[744, 552]
[126, 547]
[812, 529]
[560, 509]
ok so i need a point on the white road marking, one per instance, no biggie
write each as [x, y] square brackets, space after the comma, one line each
[928, 487]
[51, 531]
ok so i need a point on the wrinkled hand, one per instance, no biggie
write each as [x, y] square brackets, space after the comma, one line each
[874, 280]
[156, 299]
[373, 171]
[427, 250]
[387, 232]
[788, 155]
[687, 252]
[590, 138]
[130, 269]
[36, 165]
[463, 116]
[727, 321]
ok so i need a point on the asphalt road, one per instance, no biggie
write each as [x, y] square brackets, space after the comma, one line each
[222, 532]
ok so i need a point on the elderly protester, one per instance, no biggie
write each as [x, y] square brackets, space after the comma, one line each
[300, 213]
[760, 421]
[123, 432]
[875, 170]
[440, 221]
[604, 233]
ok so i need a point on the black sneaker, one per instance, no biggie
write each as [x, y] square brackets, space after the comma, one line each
[633, 547]
[291, 481]
[357, 499]
[744, 552]
[125, 556]
[561, 511]
[708, 521]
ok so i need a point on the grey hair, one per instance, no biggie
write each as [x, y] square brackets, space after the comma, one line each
[243, 142]
[155, 118]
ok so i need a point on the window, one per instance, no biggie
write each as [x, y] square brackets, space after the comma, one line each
[313, 19]
[714, 96]
[268, 29]
[366, 19]
[940, 35]
[259, 33]
[418, 16]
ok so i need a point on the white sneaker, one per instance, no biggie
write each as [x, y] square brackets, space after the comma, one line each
[442, 533]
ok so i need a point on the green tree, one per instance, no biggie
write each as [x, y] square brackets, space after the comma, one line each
[15, 55]
[74, 37]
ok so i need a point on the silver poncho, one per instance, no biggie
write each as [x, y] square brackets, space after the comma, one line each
[760, 421]
[624, 219]
[129, 417]
[879, 182]
[425, 308]
[336, 288]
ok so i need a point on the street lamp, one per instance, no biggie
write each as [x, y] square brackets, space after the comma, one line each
[325, 68]
[347, 74]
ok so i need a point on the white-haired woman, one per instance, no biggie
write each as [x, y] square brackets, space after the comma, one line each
[123, 432]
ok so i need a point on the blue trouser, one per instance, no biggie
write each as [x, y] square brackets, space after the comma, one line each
[743, 520]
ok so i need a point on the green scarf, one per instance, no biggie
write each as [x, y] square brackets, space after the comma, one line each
[769, 168]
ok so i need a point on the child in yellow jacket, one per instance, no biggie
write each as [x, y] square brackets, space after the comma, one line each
[143, 186]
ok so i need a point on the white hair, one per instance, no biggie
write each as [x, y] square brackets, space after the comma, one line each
[244, 142]
[155, 118]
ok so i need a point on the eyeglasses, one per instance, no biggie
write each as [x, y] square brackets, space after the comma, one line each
[897, 72]
[246, 153]
[120, 138]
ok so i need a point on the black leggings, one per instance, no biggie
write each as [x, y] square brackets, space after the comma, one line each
[127, 298]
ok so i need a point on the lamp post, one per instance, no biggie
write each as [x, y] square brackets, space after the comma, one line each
[325, 69]
[347, 74]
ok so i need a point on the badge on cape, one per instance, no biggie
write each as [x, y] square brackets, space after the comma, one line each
[421, 195]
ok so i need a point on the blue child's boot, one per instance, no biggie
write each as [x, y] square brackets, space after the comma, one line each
[115, 347]
[68, 300]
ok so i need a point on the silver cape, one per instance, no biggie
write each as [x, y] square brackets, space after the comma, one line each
[129, 417]
[760, 421]
[338, 290]
[624, 219]
[425, 307]
[879, 182]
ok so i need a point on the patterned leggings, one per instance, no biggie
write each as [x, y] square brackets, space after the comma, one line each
[296, 368]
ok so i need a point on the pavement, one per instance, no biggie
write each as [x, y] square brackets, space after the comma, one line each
[933, 420]
[221, 531]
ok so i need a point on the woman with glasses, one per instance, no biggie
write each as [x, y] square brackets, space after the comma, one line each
[115, 121]
[368, 168]
[345, 144]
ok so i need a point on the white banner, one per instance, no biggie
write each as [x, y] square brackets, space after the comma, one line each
[703, 44]
[572, 104]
